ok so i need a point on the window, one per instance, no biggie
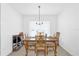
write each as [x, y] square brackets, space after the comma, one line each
[34, 28]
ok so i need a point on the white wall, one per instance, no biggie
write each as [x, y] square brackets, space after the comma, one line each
[11, 24]
[51, 19]
[0, 29]
[68, 26]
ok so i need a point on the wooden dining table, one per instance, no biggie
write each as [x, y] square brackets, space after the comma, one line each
[48, 39]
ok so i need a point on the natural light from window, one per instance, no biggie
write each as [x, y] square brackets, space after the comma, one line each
[34, 28]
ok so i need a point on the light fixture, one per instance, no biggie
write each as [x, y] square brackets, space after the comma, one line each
[39, 21]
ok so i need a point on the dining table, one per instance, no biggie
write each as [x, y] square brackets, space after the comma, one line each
[48, 39]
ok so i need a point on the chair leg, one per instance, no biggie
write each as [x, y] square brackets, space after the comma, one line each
[55, 51]
[26, 52]
[45, 52]
[36, 53]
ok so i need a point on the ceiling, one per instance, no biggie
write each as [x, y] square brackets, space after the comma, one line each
[32, 8]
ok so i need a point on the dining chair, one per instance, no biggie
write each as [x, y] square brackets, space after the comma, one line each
[52, 44]
[40, 45]
[56, 36]
[26, 45]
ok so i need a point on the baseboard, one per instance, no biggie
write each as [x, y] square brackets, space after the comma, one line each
[66, 50]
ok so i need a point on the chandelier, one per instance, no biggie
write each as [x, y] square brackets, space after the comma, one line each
[39, 22]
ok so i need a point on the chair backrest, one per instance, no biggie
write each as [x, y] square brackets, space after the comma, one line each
[57, 35]
[40, 33]
[26, 41]
[21, 34]
[40, 39]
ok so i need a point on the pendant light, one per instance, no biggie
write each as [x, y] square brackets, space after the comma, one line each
[39, 21]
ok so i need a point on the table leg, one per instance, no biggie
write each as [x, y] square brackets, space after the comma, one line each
[55, 51]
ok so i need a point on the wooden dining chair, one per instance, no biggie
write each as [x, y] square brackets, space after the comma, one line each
[26, 45]
[40, 45]
[52, 44]
[57, 35]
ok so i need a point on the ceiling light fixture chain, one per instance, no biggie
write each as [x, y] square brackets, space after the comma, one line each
[39, 23]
